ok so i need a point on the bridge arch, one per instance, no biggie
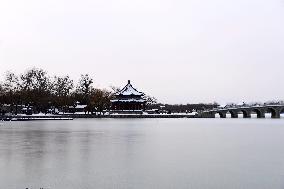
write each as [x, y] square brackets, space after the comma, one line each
[275, 110]
[272, 111]
[222, 114]
[258, 112]
[246, 113]
[234, 113]
[282, 111]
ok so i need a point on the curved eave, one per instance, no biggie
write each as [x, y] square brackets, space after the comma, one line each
[128, 100]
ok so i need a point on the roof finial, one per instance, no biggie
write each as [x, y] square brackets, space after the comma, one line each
[128, 81]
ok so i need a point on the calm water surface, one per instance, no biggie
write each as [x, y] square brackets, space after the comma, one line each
[143, 153]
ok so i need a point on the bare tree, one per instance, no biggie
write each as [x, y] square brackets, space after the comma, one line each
[36, 88]
[100, 100]
[11, 82]
[11, 92]
[62, 87]
[35, 79]
[84, 88]
[115, 89]
[150, 100]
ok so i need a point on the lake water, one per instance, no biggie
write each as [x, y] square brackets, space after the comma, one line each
[143, 154]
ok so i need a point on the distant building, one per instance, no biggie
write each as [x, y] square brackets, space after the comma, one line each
[27, 110]
[128, 100]
[16, 109]
[77, 108]
[6, 108]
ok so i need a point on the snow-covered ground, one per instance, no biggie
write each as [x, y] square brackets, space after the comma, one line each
[267, 115]
[39, 114]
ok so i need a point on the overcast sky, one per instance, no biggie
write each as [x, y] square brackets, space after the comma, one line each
[180, 51]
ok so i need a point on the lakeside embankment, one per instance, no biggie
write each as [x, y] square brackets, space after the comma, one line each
[78, 116]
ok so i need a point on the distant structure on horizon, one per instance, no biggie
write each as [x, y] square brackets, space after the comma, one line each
[128, 100]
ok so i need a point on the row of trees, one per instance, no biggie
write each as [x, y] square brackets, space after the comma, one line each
[36, 88]
[183, 108]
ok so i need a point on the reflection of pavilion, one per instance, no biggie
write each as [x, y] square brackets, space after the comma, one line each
[128, 100]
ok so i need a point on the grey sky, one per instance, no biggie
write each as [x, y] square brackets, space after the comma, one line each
[180, 51]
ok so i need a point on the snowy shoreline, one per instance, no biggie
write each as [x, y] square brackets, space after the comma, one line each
[42, 117]
[78, 116]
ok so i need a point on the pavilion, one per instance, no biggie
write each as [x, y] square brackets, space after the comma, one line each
[128, 100]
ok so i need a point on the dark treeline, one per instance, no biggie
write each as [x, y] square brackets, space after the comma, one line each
[183, 108]
[38, 90]
[35, 88]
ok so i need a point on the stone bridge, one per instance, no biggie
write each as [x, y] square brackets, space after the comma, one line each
[260, 111]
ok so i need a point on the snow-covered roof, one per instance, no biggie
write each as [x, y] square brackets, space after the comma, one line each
[129, 90]
[129, 100]
[240, 104]
[78, 106]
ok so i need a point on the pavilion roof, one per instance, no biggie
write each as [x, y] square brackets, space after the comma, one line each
[129, 100]
[129, 90]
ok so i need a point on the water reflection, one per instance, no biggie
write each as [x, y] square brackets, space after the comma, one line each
[146, 153]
